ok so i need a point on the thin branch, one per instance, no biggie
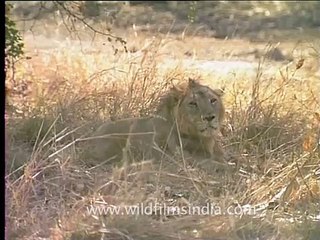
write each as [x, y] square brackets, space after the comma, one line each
[82, 20]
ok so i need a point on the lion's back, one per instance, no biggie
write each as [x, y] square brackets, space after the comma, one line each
[109, 140]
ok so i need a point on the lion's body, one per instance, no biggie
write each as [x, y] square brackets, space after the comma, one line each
[139, 136]
[191, 113]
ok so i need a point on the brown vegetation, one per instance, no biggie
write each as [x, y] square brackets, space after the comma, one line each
[58, 96]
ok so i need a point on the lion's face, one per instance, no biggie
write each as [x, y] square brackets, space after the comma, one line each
[201, 110]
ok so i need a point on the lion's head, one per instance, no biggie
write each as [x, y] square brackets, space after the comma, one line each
[198, 109]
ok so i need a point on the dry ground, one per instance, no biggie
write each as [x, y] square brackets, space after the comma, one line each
[66, 87]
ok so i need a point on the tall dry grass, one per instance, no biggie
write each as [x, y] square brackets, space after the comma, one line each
[272, 127]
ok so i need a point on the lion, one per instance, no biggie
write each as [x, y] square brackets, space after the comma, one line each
[188, 118]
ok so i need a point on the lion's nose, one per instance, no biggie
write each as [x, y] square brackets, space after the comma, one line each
[209, 118]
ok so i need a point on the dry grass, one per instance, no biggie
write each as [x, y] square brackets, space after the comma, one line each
[57, 97]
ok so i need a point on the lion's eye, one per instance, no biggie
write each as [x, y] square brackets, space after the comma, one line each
[213, 100]
[194, 104]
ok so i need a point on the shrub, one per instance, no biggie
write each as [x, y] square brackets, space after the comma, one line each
[14, 44]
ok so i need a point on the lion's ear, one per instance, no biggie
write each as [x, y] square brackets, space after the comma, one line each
[175, 94]
[219, 92]
[172, 98]
[175, 89]
[178, 89]
[192, 83]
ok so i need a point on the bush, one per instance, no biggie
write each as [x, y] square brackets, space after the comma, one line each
[14, 44]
